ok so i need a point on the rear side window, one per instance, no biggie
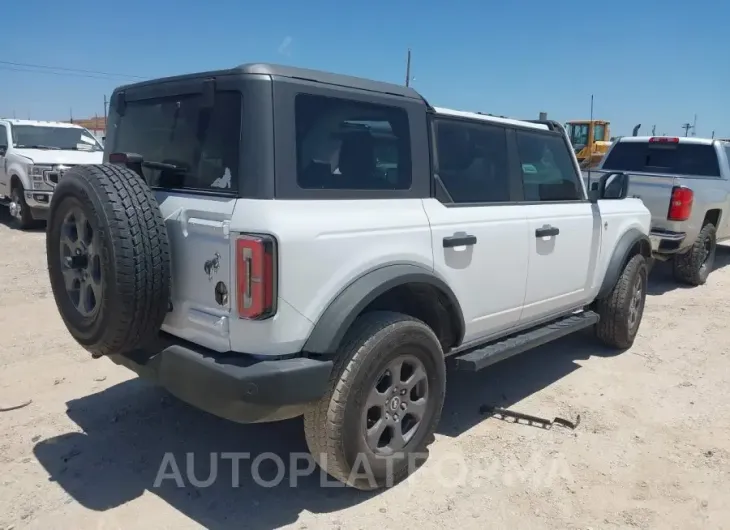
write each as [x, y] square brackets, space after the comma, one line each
[548, 171]
[348, 145]
[472, 161]
[200, 143]
[670, 158]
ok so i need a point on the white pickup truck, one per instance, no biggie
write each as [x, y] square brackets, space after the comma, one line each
[685, 183]
[323, 260]
[33, 156]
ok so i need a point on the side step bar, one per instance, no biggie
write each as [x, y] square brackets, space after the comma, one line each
[494, 352]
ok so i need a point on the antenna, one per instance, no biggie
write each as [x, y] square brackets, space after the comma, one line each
[590, 154]
[408, 68]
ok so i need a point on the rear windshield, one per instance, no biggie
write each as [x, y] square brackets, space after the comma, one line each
[201, 143]
[673, 159]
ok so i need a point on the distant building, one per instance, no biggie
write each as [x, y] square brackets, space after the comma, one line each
[95, 125]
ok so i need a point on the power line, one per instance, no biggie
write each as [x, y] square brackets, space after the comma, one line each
[71, 71]
[62, 74]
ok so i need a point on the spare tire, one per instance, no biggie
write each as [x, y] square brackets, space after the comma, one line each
[108, 258]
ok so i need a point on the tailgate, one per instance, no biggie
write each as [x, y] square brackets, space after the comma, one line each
[655, 191]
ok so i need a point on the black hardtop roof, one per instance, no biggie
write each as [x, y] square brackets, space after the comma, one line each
[276, 70]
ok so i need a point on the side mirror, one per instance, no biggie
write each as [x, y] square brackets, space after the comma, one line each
[3, 150]
[611, 186]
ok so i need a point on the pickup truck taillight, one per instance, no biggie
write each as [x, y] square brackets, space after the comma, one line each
[680, 205]
[256, 276]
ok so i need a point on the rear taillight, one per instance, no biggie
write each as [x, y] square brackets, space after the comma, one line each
[680, 205]
[256, 276]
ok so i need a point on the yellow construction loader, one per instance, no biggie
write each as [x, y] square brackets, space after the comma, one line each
[590, 140]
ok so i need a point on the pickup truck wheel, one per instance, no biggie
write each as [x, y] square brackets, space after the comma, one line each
[19, 210]
[108, 258]
[693, 267]
[622, 309]
[373, 427]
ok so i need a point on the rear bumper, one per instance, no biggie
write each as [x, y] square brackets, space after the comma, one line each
[235, 386]
[665, 242]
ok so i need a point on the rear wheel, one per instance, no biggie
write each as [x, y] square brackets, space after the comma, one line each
[374, 425]
[108, 259]
[693, 267]
[621, 311]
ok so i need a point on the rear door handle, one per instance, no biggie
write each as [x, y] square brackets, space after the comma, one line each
[547, 231]
[460, 240]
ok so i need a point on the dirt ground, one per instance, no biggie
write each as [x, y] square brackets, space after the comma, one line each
[652, 449]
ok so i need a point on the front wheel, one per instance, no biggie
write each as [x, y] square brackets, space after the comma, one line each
[19, 209]
[622, 309]
[373, 426]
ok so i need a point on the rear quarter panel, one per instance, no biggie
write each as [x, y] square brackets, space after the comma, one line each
[323, 246]
[617, 218]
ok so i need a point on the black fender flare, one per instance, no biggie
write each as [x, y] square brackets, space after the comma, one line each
[342, 311]
[621, 254]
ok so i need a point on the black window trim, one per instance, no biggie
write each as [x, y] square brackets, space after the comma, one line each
[513, 161]
[186, 87]
[286, 185]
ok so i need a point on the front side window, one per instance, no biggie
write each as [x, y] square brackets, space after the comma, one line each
[348, 145]
[4, 136]
[54, 138]
[200, 144]
[548, 172]
[578, 133]
[472, 161]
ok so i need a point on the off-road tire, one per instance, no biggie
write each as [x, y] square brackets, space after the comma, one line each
[614, 328]
[134, 252]
[26, 220]
[332, 426]
[691, 267]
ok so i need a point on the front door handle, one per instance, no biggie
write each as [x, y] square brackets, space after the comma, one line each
[547, 231]
[460, 240]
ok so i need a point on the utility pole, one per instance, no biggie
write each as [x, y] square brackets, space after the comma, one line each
[686, 127]
[694, 126]
[14, 117]
[71, 115]
[408, 70]
[653, 130]
[105, 104]
[713, 135]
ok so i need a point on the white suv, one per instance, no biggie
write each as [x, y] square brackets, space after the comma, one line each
[33, 156]
[267, 241]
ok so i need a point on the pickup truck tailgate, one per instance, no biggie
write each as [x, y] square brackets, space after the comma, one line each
[655, 191]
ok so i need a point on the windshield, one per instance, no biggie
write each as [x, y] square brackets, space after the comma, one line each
[578, 133]
[49, 137]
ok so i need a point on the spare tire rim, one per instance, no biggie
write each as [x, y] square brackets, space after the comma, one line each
[81, 263]
[396, 406]
[636, 303]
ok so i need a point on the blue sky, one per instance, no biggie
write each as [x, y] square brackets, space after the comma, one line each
[648, 62]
